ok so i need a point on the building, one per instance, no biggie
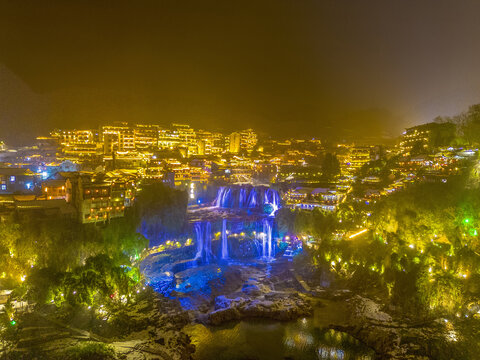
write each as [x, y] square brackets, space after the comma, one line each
[243, 140]
[187, 138]
[17, 180]
[95, 200]
[181, 137]
[210, 143]
[234, 143]
[204, 142]
[54, 189]
[425, 138]
[168, 139]
[118, 138]
[354, 158]
[248, 140]
[146, 136]
[76, 144]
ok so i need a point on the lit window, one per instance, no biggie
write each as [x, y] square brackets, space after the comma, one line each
[12, 178]
[4, 187]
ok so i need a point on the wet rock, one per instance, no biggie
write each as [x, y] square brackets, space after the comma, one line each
[222, 302]
[251, 290]
[218, 317]
[367, 309]
[278, 307]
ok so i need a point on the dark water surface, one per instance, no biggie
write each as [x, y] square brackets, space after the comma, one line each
[259, 339]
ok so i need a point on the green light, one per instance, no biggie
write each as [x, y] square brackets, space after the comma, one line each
[466, 221]
[13, 322]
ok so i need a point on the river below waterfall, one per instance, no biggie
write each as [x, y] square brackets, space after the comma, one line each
[259, 339]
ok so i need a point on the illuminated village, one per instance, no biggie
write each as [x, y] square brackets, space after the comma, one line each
[193, 214]
[235, 180]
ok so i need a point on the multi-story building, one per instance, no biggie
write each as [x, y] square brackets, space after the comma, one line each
[118, 138]
[415, 138]
[423, 139]
[146, 136]
[205, 142]
[76, 144]
[17, 180]
[66, 137]
[358, 157]
[168, 139]
[248, 139]
[94, 200]
[218, 143]
[353, 158]
[187, 138]
[242, 140]
[54, 189]
[234, 142]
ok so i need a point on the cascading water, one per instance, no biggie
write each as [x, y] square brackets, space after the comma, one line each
[199, 238]
[252, 199]
[203, 232]
[241, 197]
[224, 240]
[208, 241]
[273, 198]
[267, 246]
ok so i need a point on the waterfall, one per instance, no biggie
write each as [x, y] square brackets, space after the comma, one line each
[203, 232]
[199, 238]
[208, 241]
[223, 197]
[218, 199]
[242, 197]
[267, 246]
[272, 198]
[252, 198]
[224, 240]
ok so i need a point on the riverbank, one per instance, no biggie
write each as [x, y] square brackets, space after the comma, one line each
[240, 299]
[148, 329]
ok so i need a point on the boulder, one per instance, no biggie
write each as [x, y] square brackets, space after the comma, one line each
[251, 290]
[223, 315]
[222, 302]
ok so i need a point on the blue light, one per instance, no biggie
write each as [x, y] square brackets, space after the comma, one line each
[28, 186]
[44, 174]
[199, 201]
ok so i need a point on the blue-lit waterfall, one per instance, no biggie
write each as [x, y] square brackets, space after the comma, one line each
[224, 240]
[247, 211]
[248, 197]
[203, 232]
[267, 247]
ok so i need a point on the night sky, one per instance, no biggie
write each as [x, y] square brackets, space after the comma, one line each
[285, 68]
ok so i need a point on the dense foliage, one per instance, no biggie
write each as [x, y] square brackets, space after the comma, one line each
[421, 251]
[161, 212]
[52, 260]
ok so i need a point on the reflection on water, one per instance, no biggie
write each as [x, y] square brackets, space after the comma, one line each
[257, 339]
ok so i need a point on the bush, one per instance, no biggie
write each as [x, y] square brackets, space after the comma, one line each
[90, 351]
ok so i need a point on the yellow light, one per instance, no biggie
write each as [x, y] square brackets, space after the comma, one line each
[358, 233]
